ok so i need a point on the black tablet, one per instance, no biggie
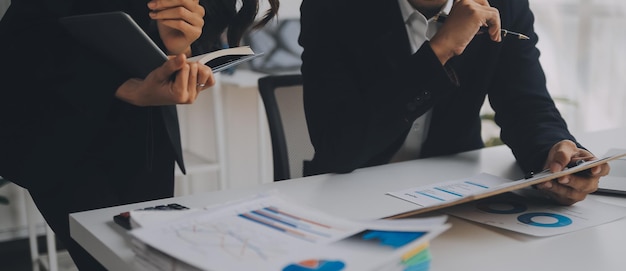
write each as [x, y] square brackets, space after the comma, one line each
[615, 182]
[119, 37]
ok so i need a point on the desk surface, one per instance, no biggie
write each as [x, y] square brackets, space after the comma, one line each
[466, 245]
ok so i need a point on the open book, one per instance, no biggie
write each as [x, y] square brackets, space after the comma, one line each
[117, 36]
[451, 193]
[224, 58]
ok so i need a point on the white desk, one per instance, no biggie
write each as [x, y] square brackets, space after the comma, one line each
[466, 246]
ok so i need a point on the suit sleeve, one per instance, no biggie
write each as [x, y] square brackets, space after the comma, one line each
[359, 103]
[529, 120]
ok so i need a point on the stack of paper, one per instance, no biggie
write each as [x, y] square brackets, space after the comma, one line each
[270, 233]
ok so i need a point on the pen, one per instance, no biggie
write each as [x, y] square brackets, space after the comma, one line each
[441, 18]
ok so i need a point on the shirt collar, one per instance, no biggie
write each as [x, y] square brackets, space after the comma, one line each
[406, 9]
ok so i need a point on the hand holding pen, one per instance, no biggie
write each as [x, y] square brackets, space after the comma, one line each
[441, 18]
[465, 20]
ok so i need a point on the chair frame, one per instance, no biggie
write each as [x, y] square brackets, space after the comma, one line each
[267, 85]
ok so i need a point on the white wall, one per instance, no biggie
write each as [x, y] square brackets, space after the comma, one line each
[582, 44]
[4, 4]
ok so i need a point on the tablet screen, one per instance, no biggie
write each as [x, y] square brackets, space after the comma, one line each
[117, 36]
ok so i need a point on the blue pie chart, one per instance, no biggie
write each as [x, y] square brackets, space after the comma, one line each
[559, 220]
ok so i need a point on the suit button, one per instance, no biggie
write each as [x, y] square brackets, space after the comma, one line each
[426, 94]
[419, 100]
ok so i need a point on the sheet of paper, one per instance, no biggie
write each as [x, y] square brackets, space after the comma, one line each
[450, 191]
[269, 233]
[537, 217]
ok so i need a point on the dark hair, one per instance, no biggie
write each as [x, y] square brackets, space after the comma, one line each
[222, 14]
[245, 18]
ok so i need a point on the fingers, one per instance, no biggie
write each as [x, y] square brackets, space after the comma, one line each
[192, 5]
[206, 79]
[601, 170]
[175, 82]
[179, 93]
[461, 26]
[171, 66]
[572, 188]
[493, 21]
[561, 154]
[179, 23]
[482, 15]
[563, 194]
[192, 78]
[183, 18]
[178, 14]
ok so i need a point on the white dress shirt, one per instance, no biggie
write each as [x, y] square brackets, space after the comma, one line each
[419, 30]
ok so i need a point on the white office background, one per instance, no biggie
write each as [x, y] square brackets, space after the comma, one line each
[583, 45]
[583, 54]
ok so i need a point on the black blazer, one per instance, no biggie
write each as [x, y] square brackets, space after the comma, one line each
[363, 88]
[57, 104]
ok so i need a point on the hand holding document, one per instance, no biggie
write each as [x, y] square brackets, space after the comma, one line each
[447, 194]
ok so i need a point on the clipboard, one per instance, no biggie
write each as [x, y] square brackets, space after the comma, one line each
[540, 177]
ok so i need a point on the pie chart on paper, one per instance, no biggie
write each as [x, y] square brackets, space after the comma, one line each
[315, 264]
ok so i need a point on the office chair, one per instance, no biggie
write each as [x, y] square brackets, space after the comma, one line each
[291, 146]
[50, 262]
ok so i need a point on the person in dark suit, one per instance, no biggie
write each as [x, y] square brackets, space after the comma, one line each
[386, 80]
[76, 130]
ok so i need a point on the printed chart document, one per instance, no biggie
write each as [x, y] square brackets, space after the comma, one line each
[536, 217]
[270, 233]
[446, 194]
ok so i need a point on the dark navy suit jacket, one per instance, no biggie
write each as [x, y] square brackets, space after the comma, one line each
[57, 103]
[363, 88]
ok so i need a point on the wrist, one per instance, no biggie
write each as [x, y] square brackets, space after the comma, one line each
[186, 51]
[442, 52]
[127, 92]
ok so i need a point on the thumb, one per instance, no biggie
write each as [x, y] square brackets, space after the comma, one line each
[171, 66]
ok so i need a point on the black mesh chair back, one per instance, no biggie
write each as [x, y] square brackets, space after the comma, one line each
[291, 146]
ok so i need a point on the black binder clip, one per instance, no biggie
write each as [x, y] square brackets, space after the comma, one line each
[529, 175]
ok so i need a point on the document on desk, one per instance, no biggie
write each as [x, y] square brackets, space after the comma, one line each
[446, 194]
[537, 217]
[270, 233]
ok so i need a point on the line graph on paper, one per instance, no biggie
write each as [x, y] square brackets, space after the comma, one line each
[232, 238]
[245, 235]
[256, 234]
